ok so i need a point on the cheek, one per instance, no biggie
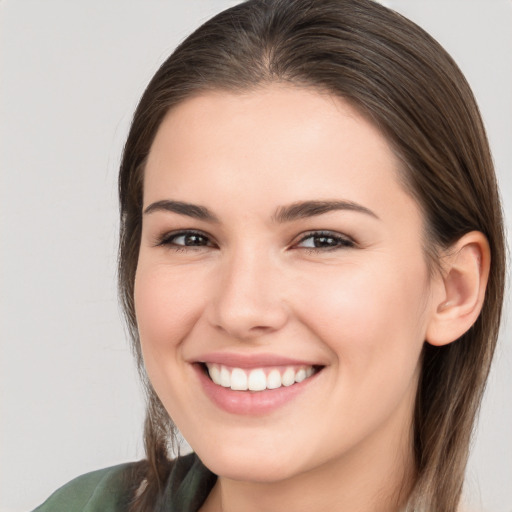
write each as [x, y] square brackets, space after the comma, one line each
[166, 306]
[371, 317]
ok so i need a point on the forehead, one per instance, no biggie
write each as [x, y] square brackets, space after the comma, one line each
[280, 142]
[277, 114]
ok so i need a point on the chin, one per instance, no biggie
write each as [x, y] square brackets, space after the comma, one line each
[236, 464]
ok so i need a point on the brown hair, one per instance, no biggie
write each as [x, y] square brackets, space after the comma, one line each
[404, 81]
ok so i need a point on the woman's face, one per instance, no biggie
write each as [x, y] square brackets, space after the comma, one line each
[279, 246]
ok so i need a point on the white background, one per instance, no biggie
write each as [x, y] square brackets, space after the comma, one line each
[71, 73]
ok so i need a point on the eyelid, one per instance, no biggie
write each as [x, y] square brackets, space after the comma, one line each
[345, 241]
[166, 238]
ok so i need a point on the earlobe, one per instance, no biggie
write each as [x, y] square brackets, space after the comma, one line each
[460, 290]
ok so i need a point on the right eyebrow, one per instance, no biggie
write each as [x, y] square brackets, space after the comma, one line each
[190, 210]
[303, 209]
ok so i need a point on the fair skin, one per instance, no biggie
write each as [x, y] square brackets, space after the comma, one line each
[337, 291]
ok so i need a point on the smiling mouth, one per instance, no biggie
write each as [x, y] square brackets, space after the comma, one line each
[258, 379]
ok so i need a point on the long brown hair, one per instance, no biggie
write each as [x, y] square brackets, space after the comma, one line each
[403, 81]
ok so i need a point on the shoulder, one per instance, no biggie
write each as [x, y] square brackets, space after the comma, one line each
[105, 490]
[112, 489]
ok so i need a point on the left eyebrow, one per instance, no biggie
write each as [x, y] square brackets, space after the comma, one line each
[304, 209]
[181, 208]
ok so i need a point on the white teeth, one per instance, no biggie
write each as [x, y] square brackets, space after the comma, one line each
[274, 380]
[288, 377]
[238, 380]
[225, 377]
[257, 379]
[300, 375]
[214, 374]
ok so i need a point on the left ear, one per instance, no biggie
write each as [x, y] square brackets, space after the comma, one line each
[460, 290]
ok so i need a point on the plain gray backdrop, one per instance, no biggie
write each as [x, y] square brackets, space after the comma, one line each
[70, 76]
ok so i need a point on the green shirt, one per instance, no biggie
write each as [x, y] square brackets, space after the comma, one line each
[106, 490]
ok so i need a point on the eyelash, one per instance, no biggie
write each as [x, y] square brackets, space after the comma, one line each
[337, 241]
[169, 239]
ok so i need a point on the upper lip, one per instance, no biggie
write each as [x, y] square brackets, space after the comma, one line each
[252, 360]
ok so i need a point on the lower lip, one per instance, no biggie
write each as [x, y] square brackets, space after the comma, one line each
[250, 402]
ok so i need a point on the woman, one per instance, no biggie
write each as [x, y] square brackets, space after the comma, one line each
[308, 219]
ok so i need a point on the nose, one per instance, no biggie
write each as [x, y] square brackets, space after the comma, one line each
[249, 300]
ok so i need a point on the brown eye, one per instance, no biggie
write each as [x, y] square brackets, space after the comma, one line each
[187, 239]
[324, 241]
